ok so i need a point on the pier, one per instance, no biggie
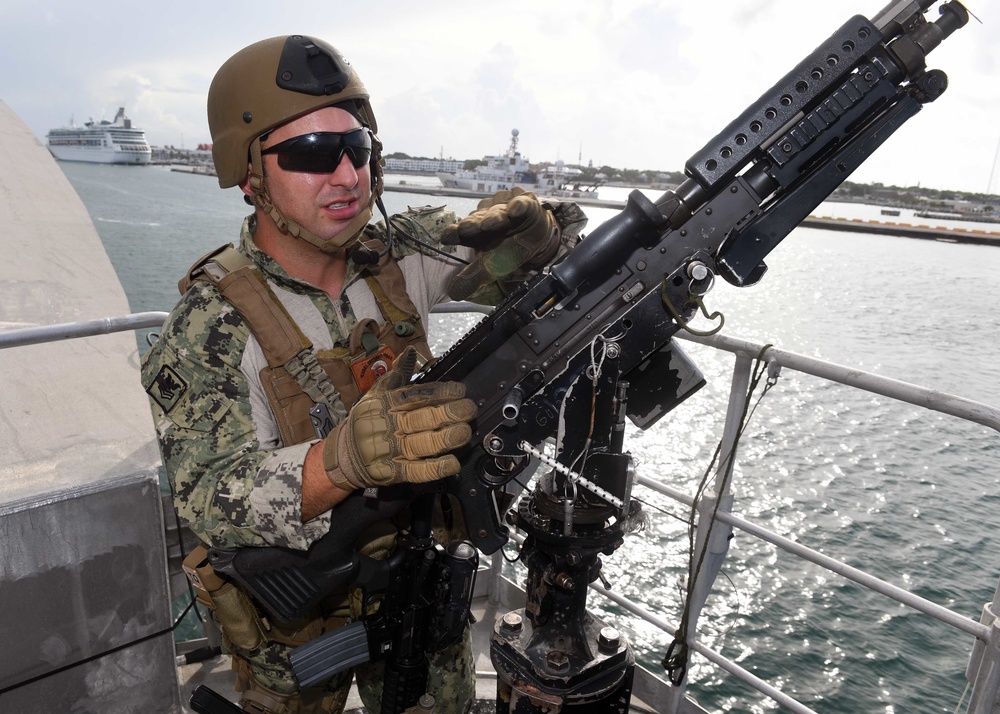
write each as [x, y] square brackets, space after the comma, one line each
[945, 234]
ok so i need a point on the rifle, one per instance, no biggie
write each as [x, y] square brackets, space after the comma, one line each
[606, 314]
[427, 591]
[425, 607]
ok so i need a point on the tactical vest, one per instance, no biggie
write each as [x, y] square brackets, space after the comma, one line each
[297, 378]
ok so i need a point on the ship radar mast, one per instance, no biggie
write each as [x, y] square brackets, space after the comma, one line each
[512, 151]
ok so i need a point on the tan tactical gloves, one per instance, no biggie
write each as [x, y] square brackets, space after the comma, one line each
[510, 231]
[398, 431]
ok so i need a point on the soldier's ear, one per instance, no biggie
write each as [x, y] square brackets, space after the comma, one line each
[246, 188]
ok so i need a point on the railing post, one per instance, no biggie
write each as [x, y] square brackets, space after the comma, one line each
[984, 663]
[716, 533]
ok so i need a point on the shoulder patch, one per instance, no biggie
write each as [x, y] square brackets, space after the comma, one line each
[167, 388]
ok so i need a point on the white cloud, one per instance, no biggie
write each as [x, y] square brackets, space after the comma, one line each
[626, 83]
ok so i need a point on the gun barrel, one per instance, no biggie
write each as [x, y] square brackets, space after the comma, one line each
[512, 405]
[954, 16]
[827, 66]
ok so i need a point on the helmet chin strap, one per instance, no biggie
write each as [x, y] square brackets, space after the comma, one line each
[350, 234]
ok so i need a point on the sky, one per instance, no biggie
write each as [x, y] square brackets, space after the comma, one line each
[622, 83]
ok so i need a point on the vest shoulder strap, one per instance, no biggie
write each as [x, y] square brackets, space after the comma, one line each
[224, 254]
[246, 289]
[386, 281]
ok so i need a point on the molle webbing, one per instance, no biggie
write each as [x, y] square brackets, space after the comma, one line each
[312, 378]
[281, 340]
[388, 285]
[279, 337]
[236, 277]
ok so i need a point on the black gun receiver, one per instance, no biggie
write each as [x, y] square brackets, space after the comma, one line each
[638, 277]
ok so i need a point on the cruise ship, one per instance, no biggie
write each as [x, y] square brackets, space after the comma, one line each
[104, 142]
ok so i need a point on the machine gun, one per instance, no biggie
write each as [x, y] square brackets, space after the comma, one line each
[574, 351]
[636, 278]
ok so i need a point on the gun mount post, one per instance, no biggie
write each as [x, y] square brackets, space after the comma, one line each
[552, 653]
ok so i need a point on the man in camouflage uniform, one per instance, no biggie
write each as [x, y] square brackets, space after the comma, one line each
[312, 306]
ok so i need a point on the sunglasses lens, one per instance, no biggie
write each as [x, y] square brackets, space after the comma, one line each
[322, 152]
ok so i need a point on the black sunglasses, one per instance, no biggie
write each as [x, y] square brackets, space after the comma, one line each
[323, 151]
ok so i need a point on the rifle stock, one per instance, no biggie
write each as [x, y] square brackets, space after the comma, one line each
[288, 582]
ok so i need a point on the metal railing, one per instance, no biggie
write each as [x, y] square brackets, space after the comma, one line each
[984, 667]
[19, 337]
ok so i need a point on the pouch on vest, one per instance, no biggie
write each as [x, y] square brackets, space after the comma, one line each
[350, 372]
[232, 608]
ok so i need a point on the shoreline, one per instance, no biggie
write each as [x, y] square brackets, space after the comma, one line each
[905, 230]
[941, 233]
[927, 232]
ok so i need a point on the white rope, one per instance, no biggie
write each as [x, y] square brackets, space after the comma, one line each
[574, 477]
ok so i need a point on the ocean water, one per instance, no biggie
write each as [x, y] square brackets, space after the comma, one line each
[906, 494]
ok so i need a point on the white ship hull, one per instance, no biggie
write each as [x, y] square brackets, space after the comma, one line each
[101, 155]
[468, 181]
[507, 171]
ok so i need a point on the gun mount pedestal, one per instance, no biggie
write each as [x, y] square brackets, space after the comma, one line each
[553, 655]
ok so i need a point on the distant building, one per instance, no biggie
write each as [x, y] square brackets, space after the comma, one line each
[429, 166]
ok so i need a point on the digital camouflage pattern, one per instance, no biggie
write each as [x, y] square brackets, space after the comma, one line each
[451, 681]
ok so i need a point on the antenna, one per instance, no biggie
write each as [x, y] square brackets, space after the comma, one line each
[996, 158]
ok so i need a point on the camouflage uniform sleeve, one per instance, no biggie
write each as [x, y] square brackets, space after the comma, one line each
[229, 490]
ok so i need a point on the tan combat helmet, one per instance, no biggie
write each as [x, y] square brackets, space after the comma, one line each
[270, 83]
